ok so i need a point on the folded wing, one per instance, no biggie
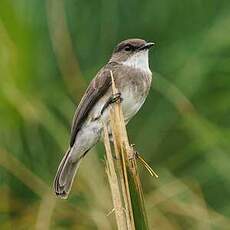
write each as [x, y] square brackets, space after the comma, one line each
[97, 88]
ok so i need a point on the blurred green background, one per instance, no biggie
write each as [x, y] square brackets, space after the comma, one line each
[49, 52]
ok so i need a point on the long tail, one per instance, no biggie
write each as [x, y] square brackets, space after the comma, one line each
[65, 174]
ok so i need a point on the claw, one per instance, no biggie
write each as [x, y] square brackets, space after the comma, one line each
[114, 98]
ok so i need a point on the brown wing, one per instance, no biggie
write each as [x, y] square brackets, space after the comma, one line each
[94, 92]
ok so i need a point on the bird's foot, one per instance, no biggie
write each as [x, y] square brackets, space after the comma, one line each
[114, 98]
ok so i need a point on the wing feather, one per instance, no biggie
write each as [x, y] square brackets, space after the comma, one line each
[97, 88]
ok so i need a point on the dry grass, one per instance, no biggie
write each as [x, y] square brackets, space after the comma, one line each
[122, 173]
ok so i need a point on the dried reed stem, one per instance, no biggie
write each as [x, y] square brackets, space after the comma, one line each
[114, 185]
[121, 147]
[126, 171]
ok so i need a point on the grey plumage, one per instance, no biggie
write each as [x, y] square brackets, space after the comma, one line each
[133, 79]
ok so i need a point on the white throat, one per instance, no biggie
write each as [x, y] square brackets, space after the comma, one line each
[139, 61]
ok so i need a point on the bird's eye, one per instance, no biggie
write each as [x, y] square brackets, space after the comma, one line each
[128, 48]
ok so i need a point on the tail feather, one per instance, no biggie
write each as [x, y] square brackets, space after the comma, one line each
[65, 175]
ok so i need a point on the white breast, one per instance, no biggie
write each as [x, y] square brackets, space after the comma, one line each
[131, 104]
[139, 60]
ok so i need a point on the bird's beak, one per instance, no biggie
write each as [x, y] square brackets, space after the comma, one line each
[147, 45]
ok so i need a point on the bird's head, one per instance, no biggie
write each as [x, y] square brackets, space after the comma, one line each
[133, 53]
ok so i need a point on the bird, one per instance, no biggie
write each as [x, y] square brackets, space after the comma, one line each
[129, 64]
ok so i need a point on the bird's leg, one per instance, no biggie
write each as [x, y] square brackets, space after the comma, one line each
[114, 98]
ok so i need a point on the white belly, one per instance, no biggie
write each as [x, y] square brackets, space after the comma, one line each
[131, 103]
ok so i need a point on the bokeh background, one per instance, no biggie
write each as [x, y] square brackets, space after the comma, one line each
[49, 52]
